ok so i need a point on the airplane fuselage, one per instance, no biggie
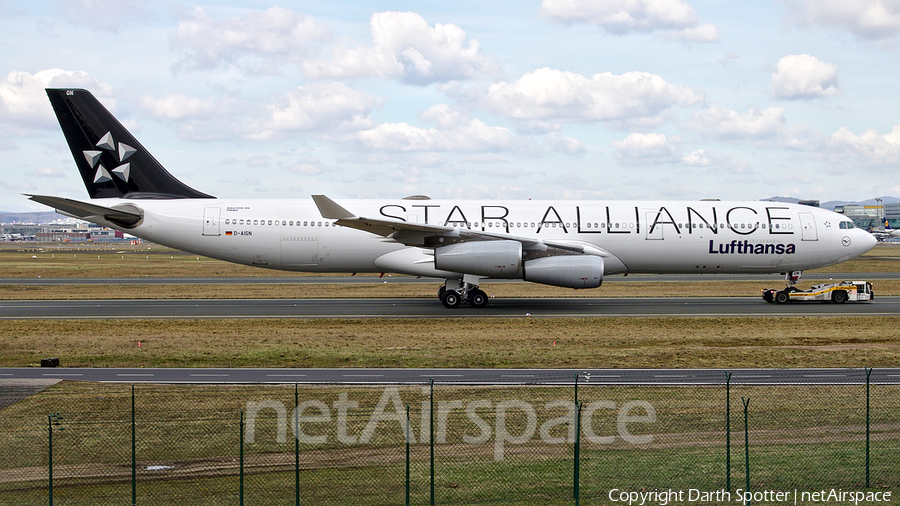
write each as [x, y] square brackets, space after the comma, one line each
[637, 236]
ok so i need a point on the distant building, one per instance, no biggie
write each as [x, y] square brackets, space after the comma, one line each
[811, 203]
[892, 211]
[99, 233]
[867, 217]
[62, 236]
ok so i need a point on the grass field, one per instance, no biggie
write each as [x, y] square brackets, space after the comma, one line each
[592, 342]
[800, 437]
[509, 343]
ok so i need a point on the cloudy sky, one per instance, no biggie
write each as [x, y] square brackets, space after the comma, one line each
[559, 99]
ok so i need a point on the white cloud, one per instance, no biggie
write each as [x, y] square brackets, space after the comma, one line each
[700, 33]
[723, 123]
[650, 148]
[675, 18]
[408, 49]
[870, 148]
[23, 100]
[715, 162]
[48, 172]
[564, 145]
[802, 76]
[178, 107]
[894, 136]
[200, 118]
[258, 41]
[867, 19]
[444, 116]
[318, 107]
[474, 136]
[729, 58]
[553, 95]
[769, 128]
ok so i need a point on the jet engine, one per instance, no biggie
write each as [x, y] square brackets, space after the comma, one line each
[570, 271]
[497, 259]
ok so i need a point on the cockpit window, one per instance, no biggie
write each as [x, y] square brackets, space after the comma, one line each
[847, 225]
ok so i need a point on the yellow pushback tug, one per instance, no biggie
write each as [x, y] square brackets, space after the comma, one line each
[854, 291]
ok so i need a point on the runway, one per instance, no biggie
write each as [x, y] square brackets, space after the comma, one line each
[774, 279]
[432, 308]
[586, 377]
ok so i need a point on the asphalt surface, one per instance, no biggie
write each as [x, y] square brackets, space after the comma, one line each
[311, 280]
[659, 377]
[431, 308]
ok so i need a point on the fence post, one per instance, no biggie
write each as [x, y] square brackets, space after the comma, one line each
[133, 453]
[868, 374]
[407, 454]
[431, 434]
[50, 456]
[746, 448]
[51, 421]
[241, 472]
[296, 447]
[576, 488]
[576, 388]
[577, 440]
[727, 431]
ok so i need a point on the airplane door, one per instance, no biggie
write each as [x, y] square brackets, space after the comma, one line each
[657, 231]
[808, 227]
[211, 220]
[299, 252]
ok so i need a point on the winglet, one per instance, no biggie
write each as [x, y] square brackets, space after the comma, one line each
[330, 209]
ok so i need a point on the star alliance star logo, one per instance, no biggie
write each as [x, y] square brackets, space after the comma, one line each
[123, 171]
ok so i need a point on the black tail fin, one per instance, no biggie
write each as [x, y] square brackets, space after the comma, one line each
[111, 161]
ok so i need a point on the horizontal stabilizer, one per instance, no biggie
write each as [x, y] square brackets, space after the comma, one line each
[123, 217]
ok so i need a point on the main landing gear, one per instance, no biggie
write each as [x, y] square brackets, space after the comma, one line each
[454, 292]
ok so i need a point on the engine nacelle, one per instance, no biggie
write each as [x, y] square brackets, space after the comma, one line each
[570, 271]
[497, 259]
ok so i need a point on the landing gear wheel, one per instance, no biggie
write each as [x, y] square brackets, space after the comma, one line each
[839, 297]
[450, 299]
[441, 291]
[782, 298]
[477, 298]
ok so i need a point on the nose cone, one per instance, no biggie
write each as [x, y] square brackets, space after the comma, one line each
[864, 243]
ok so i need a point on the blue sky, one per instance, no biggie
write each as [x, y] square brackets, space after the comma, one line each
[636, 99]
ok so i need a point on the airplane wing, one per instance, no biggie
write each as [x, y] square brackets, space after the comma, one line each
[126, 215]
[424, 235]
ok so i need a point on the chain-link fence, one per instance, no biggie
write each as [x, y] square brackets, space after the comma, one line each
[91, 443]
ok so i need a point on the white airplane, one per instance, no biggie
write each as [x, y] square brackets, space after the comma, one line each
[561, 243]
[886, 232]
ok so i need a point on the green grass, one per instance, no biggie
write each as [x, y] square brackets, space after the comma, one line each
[667, 342]
[800, 437]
